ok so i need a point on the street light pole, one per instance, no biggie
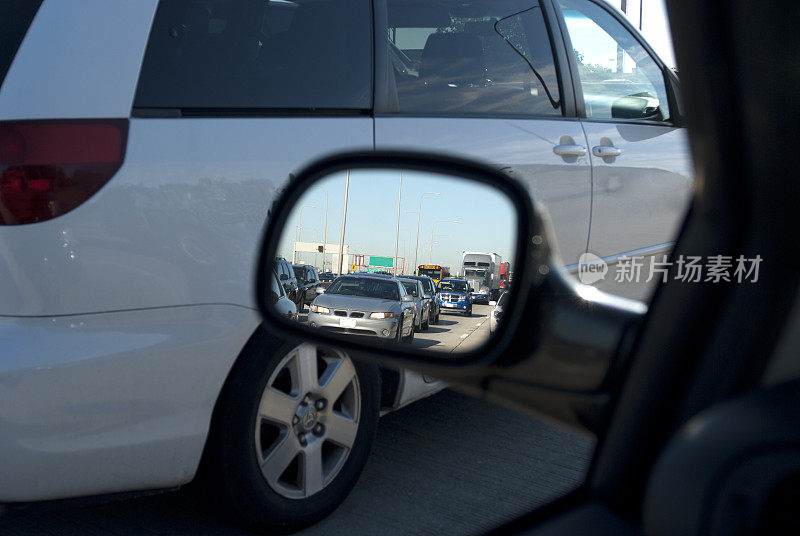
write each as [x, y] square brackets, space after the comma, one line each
[430, 255]
[325, 231]
[419, 217]
[641, 6]
[397, 232]
[301, 226]
[407, 252]
[344, 221]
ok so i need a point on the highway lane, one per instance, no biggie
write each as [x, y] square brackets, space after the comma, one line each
[457, 333]
[447, 464]
[454, 333]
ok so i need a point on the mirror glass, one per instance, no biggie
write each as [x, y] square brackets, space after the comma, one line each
[394, 256]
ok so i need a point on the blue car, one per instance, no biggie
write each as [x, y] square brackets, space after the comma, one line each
[454, 296]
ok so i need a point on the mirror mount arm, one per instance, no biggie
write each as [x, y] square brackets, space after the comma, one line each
[583, 339]
[579, 350]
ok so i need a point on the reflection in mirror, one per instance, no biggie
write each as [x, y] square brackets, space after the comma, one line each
[405, 257]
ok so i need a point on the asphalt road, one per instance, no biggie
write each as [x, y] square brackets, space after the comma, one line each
[448, 464]
[457, 333]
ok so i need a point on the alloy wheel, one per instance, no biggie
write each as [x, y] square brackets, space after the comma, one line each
[307, 420]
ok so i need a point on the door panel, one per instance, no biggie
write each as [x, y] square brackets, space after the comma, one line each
[640, 196]
[641, 166]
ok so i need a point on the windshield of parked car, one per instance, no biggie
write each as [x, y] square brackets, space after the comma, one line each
[411, 288]
[366, 287]
[460, 286]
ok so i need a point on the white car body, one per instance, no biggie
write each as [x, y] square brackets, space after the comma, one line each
[120, 320]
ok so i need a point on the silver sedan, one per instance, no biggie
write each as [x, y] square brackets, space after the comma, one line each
[365, 305]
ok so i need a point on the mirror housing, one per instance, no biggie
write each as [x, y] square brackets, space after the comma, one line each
[407, 298]
[560, 342]
[492, 302]
[320, 290]
[284, 277]
[641, 107]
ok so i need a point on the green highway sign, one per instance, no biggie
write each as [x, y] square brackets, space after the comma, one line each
[384, 262]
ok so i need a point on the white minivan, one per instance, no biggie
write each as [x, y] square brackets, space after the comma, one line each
[141, 145]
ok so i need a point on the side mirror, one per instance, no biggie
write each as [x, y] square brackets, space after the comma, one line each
[319, 290]
[641, 106]
[284, 277]
[407, 298]
[492, 302]
[560, 341]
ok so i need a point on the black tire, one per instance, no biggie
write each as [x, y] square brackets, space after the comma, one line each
[469, 312]
[410, 337]
[230, 466]
[438, 314]
[427, 324]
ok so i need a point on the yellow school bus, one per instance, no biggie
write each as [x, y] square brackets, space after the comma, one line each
[434, 271]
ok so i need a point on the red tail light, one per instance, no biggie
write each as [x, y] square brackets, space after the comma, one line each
[48, 168]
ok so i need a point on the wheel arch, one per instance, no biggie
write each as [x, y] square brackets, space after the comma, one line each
[389, 387]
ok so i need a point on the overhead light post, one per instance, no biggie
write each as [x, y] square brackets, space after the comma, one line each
[408, 252]
[419, 217]
[430, 255]
[397, 232]
[344, 221]
[300, 229]
[325, 231]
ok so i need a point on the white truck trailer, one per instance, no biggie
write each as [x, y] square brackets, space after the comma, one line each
[482, 272]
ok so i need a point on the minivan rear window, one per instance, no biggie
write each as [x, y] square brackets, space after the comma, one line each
[15, 18]
[258, 54]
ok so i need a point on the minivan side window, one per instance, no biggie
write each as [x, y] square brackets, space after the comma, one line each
[620, 80]
[17, 16]
[245, 54]
[489, 57]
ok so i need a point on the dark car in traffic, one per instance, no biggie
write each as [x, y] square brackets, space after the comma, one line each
[288, 280]
[326, 278]
[307, 282]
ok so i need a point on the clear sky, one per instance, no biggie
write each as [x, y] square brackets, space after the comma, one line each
[588, 39]
[486, 219]
[655, 25]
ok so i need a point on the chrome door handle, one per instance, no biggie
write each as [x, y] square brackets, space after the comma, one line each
[569, 150]
[605, 151]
